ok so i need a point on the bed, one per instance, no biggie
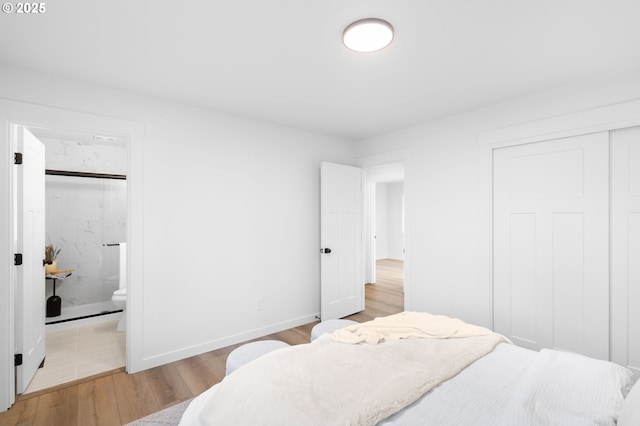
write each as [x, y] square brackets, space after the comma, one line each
[406, 373]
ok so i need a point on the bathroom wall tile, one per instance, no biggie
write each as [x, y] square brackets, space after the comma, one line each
[90, 157]
[84, 213]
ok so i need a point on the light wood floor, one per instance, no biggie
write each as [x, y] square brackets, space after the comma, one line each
[117, 398]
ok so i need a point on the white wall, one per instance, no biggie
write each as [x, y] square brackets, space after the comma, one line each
[382, 221]
[389, 238]
[447, 192]
[231, 214]
[395, 191]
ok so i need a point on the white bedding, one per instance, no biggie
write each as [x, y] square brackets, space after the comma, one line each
[517, 386]
[498, 390]
[340, 383]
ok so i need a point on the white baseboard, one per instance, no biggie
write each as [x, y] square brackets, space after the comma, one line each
[168, 357]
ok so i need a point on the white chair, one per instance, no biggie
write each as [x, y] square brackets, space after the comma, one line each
[250, 351]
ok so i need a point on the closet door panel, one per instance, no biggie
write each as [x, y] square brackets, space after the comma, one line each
[522, 242]
[568, 280]
[625, 250]
[551, 221]
[633, 283]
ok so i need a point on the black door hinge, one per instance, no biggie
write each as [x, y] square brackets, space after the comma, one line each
[17, 159]
[17, 259]
[18, 359]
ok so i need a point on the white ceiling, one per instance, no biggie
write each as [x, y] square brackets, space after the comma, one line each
[282, 61]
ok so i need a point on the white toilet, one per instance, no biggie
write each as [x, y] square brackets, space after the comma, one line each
[119, 297]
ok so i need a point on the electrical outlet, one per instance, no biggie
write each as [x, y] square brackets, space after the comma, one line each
[259, 304]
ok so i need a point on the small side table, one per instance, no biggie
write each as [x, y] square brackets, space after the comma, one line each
[54, 303]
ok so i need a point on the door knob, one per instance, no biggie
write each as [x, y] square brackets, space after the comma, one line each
[325, 250]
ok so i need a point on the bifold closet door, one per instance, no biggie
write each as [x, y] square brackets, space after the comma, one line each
[625, 247]
[551, 244]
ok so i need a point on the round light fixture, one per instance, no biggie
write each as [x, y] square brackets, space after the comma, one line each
[368, 35]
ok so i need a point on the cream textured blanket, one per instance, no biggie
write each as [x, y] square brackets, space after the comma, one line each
[407, 325]
[332, 383]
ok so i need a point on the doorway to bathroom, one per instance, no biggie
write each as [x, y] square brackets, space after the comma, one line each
[85, 232]
[25, 325]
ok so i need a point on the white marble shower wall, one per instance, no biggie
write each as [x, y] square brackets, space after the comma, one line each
[83, 214]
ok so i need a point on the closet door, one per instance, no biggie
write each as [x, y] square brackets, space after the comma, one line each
[551, 245]
[625, 248]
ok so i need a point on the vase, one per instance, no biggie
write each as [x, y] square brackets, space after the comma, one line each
[49, 267]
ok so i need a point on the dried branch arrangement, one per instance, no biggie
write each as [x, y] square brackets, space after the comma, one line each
[50, 253]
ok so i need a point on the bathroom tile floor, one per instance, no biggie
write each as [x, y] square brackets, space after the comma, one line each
[74, 353]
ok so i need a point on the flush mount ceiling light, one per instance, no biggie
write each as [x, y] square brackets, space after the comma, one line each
[368, 35]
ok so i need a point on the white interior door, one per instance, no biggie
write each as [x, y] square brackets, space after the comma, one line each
[30, 288]
[551, 244]
[625, 248]
[341, 283]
